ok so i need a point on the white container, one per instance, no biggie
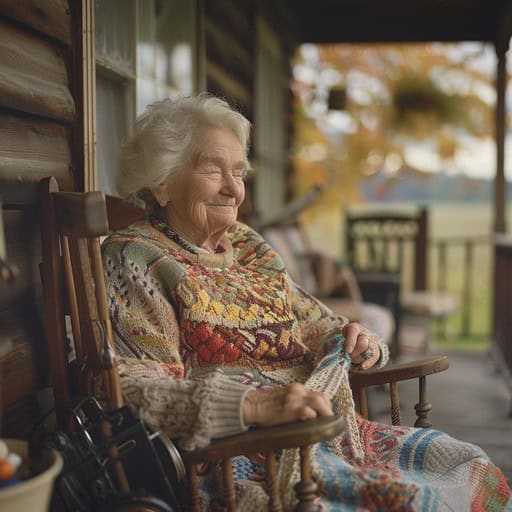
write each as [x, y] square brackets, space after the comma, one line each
[33, 494]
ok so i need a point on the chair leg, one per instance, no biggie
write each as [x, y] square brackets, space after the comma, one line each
[229, 485]
[193, 483]
[363, 403]
[272, 489]
[395, 403]
[307, 488]
[423, 408]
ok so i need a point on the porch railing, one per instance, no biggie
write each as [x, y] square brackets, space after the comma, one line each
[462, 266]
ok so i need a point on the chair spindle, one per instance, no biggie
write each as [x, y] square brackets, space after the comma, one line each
[395, 403]
[423, 408]
[229, 485]
[272, 488]
[307, 488]
[193, 486]
[363, 403]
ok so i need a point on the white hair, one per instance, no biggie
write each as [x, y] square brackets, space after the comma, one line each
[165, 141]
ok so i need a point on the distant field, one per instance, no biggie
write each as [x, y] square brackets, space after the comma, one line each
[446, 222]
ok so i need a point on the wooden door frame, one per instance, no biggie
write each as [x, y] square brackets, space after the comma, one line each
[84, 91]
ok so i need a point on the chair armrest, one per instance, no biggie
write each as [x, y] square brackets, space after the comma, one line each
[290, 435]
[399, 372]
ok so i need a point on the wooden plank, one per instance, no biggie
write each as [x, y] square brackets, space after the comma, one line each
[234, 16]
[379, 22]
[265, 439]
[221, 82]
[53, 293]
[51, 17]
[31, 149]
[88, 93]
[33, 76]
[23, 250]
[83, 77]
[281, 17]
[20, 417]
[21, 328]
[224, 49]
[19, 362]
[398, 372]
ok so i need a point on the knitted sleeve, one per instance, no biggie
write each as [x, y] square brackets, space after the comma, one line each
[146, 335]
[319, 325]
[192, 411]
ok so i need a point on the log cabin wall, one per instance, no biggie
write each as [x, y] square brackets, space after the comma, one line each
[229, 44]
[276, 43]
[226, 62]
[247, 50]
[46, 106]
[38, 121]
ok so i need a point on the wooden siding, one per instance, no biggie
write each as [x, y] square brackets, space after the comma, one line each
[31, 149]
[33, 76]
[51, 17]
[38, 121]
[20, 362]
[47, 107]
[23, 249]
[229, 45]
[21, 322]
[230, 40]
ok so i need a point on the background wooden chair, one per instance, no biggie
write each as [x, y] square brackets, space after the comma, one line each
[380, 243]
[332, 281]
[73, 285]
[337, 286]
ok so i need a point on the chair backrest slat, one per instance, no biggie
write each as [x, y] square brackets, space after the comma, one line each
[87, 312]
[71, 298]
[378, 242]
[74, 284]
[53, 293]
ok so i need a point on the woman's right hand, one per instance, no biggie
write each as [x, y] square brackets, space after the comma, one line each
[286, 404]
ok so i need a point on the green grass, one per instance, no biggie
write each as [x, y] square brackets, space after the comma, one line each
[464, 343]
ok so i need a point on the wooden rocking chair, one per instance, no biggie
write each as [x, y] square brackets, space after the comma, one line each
[73, 284]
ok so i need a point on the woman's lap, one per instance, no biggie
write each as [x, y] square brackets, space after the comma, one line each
[411, 469]
[405, 469]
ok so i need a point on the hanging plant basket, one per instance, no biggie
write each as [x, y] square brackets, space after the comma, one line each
[419, 103]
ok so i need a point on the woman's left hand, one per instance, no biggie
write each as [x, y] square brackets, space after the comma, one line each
[361, 344]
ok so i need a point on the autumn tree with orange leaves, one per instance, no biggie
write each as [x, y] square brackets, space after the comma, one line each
[395, 96]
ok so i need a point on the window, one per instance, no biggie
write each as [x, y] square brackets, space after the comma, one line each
[166, 48]
[145, 51]
[115, 79]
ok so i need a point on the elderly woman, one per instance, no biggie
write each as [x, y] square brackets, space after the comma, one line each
[215, 337]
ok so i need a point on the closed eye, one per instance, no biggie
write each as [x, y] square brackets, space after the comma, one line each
[240, 173]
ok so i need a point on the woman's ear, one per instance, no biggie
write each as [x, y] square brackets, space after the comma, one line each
[161, 194]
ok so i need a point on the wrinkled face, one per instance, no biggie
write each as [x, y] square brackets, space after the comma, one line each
[202, 201]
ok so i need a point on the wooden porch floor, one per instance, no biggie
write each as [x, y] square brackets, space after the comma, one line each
[470, 402]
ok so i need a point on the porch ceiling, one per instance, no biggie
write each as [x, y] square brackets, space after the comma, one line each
[354, 21]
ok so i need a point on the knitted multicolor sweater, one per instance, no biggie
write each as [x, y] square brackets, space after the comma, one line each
[195, 332]
[186, 315]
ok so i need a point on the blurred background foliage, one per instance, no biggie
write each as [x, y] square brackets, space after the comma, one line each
[389, 98]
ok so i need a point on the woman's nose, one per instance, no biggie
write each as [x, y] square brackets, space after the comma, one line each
[228, 183]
